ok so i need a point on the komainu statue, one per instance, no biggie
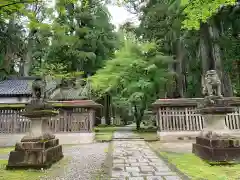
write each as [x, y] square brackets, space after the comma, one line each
[211, 84]
[38, 89]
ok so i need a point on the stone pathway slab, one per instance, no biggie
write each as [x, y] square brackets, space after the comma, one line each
[125, 135]
[134, 160]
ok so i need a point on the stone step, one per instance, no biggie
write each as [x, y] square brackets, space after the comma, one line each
[128, 139]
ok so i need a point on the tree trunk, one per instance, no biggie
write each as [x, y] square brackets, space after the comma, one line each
[205, 49]
[28, 55]
[211, 54]
[107, 109]
[21, 67]
[9, 49]
[180, 69]
[138, 115]
[214, 30]
[138, 123]
[7, 60]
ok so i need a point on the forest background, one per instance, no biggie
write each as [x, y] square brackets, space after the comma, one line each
[164, 56]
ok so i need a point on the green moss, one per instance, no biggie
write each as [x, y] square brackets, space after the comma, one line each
[43, 140]
[196, 168]
[57, 104]
[18, 174]
[148, 136]
[23, 105]
[6, 150]
[105, 129]
[29, 174]
[103, 137]
[12, 105]
[64, 105]
[46, 110]
[104, 133]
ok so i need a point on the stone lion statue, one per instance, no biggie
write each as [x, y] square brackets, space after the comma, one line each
[211, 84]
[38, 89]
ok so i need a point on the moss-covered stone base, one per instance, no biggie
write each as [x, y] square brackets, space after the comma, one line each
[217, 151]
[35, 155]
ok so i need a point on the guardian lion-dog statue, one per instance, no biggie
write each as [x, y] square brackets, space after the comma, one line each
[38, 88]
[211, 84]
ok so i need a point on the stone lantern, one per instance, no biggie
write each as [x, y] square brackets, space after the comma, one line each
[39, 148]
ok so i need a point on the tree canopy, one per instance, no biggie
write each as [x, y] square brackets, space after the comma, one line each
[164, 56]
[78, 35]
[135, 76]
[198, 11]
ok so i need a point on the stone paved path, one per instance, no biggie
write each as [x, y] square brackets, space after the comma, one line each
[125, 135]
[134, 160]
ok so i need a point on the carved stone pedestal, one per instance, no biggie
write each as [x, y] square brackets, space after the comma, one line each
[214, 144]
[40, 148]
[220, 150]
[37, 155]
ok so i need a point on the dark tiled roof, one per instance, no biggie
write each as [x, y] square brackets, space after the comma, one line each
[15, 87]
[21, 86]
[23, 78]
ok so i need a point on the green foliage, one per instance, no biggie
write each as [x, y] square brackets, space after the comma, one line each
[8, 7]
[198, 11]
[168, 23]
[161, 22]
[82, 39]
[231, 45]
[51, 69]
[79, 38]
[135, 76]
[135, 68]
[78, 35]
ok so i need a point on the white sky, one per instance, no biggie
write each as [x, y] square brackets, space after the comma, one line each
[120, 15]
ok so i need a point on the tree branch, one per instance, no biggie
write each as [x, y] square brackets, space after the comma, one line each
[19, 2]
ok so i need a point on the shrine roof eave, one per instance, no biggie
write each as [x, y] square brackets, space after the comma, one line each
[180, 102]
[63, 104]
[188, 102]
[76, 103]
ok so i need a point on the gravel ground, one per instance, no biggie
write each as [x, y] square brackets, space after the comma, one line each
[85, 161]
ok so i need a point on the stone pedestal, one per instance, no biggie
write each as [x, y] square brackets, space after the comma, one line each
[220, 150]
[214, 143]
[37, 155]
[214, 123]
[39, 126]
[38, 149]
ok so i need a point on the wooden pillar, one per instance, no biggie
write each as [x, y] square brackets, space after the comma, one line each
[91, 119]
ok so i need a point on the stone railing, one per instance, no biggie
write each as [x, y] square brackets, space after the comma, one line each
[179, 116]
[74, 116]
